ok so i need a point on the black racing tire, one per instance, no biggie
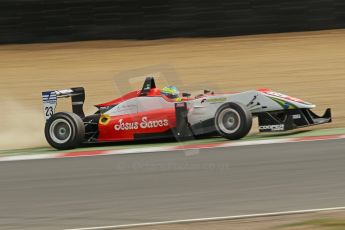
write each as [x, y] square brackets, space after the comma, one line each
[233, 120]
[64, 130]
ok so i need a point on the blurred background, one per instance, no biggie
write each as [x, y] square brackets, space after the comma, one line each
[296, 47]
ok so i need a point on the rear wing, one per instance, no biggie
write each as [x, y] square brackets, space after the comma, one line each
[77, 96]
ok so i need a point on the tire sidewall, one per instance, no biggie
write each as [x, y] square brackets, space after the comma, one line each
[77, 130]
[245, 119]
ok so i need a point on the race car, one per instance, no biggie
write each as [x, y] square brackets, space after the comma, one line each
[149, 114]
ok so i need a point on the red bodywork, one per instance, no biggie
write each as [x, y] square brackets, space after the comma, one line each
[127, 127]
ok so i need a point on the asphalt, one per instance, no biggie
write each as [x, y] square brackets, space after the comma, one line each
[135, 188]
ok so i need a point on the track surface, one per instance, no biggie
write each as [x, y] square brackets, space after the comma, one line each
[125, 189]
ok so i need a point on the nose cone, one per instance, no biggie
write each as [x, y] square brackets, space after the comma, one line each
[287, 101]
[304, 105]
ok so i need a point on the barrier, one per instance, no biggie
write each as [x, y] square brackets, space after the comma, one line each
[25, 21]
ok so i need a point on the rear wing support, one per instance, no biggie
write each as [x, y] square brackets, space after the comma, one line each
[77, 96]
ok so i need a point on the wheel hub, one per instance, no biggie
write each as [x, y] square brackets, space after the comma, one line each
[229, 120]
[60, 131]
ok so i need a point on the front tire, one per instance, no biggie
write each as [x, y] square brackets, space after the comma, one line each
[64, 131]
[233, 120]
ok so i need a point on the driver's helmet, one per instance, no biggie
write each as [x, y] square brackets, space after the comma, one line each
[171, 92]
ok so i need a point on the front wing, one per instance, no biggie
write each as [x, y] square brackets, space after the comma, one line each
[291, 119]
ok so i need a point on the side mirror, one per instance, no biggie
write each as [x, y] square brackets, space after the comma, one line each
[186, 94]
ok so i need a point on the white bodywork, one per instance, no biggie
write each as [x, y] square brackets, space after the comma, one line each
[205, 108]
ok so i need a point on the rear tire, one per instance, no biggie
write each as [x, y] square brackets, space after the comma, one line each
[233, 120]
[64, 131]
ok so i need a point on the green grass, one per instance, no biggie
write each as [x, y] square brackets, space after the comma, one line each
[319, 224]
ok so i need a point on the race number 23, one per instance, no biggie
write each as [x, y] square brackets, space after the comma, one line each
[49, 110]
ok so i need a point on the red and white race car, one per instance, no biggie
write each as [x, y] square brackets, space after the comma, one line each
[148, 114]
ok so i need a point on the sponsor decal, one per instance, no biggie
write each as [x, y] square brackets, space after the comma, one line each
[180, 104]
[144, 124]
[214, 100]
[280, 127]
[284, 104]
[49, 97]
[64, 92]
[124, 108]
[296, 116]
[49, 103]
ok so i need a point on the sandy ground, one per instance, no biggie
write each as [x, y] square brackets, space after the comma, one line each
[314, 221]
[309, 65]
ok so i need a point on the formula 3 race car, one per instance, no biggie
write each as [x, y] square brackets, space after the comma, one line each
[148, 114]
